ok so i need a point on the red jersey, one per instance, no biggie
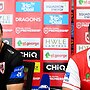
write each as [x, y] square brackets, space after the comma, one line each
[77, 75]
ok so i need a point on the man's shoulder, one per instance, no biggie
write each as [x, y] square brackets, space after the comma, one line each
[10, 49]
[82, 52]
[12, 55]
[82, 55]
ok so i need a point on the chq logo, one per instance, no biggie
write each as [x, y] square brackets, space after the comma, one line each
[30, 54]
[54, 67]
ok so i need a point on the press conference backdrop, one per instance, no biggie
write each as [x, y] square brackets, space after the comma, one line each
[82, 21]
[41, 31]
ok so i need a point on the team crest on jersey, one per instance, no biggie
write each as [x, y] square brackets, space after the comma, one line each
[2, 67]
[87, 75]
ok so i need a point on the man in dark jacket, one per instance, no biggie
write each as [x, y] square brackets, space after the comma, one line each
[11, 67]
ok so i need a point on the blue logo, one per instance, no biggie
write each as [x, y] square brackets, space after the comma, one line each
[28, 6]
[67, 75]
[56, 19]
[18, 72]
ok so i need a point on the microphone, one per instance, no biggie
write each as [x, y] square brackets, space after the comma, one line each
[45, 82]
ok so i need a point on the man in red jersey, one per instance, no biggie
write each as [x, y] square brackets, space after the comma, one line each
[77, 76]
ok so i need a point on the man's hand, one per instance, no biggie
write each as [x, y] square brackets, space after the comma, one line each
[15, 86]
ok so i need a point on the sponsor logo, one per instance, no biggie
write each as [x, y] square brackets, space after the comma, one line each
[6, 19]
[55, 43]
[83, 14]
[26, 30]
[2, 67]
[28, 19]
[27, 42]
[19, 68]
[57, 19]
[28, 6]
[37, 67]
[56, 78]
[18, 72]
[54, 67]
[82, 24]
[87, 37]
[8, 41]
[55, 55]
[81, 47]
[46, 30]
[67, 75]
[56, 6]
[36, 78]
[30, 54]
[1, 6]
[7, 30]
[88, 75]
[83, 3]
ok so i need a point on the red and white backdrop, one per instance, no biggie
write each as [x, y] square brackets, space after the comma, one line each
[82, 21]
[41, 30]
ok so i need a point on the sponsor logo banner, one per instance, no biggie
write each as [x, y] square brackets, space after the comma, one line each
[55, 19]
[27, 30]
[54, 67]
[56, 6]
[28, 6]
[30, 54]
[55, 43]
[80, 25]
[37, 67]
[55, 54]
[83, 3]
[27, 42]
[81, 47]
[28, 19]
[6, 19]
[56, 77]
[47, 30]
[83, 14]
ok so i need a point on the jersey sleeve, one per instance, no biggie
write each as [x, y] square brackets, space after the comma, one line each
[71, 78]
[17, 71]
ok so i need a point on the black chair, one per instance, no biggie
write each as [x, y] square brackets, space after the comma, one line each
[28, 70]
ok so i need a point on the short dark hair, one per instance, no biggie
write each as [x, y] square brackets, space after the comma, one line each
[1, 28]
